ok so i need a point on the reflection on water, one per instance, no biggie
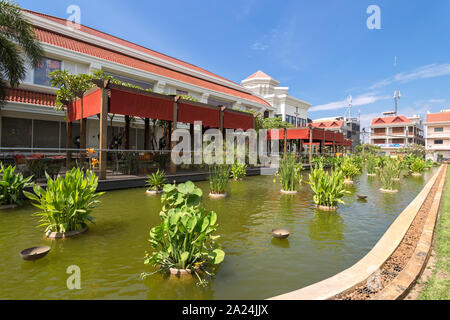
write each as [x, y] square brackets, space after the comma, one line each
[257, 266]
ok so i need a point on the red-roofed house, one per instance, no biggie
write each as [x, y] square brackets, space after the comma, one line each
[29, 120]
[349, 127]
[395, 132]
[438, 135]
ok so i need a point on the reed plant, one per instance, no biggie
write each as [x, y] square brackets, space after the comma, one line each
[219, 175]
[287, 172]
[328, 188]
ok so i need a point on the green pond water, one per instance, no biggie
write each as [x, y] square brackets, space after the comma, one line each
[256, 266]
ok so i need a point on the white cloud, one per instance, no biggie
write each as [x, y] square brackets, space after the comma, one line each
[424, 72]
[259, 46]
[361, 100]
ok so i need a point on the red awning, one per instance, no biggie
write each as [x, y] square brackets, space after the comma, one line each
[237, 120]
[141, 105]
[298, 134]
[189, 112]
[91, 106]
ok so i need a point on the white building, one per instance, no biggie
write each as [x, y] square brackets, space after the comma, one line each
[437, 135]
[290, 109]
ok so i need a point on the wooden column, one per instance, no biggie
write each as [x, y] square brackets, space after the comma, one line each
[310, 146]
[173, 167]
[285, 141]
[192, 134]
[83, 135]
[127, 133]
[103, 142]
[68, 144]
[146, 134]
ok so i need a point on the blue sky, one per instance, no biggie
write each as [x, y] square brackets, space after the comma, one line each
[322, 50]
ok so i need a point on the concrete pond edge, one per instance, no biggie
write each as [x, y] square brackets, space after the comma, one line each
[358, 274]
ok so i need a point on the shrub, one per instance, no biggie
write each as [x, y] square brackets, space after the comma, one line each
[12, 185]
[349, 169]
[287, 172]
[185, 238]
[67, 202]
[417, 165]
[328, 188]
[238, 171]
[157, 180]
[218, 178]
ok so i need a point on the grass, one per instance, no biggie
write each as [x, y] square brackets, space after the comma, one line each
[438, 287]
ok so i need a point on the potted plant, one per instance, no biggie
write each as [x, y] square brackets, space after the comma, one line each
[417, 167]
[11, 187]
[328, 188]
[184, 243]
[238, 171]
[218, 180]
[66, 204]
[156, 182]
[387, 175]
[287, 174]
[349, 170]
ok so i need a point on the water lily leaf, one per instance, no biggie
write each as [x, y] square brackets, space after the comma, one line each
[218, 256]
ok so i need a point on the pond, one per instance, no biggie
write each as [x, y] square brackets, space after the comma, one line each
[110, 255]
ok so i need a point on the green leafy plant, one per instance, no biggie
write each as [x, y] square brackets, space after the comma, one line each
[319, 161]
[298, 173]
[371, 164]
[156, 181]
[67, 202]
[349, 169]
[12, 185]
[238, 171]
[417, 165]
[185, 238]
[328, 188]
[387, 175]
[287, 172]
[218, 178]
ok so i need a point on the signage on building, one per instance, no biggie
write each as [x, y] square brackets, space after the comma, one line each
[392, 145]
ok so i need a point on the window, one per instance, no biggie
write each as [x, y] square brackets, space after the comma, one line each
[438, 141]
[438, 129]
[42, 71]
[217, 103]
[45, 134]
[138, 83]
[16, 133]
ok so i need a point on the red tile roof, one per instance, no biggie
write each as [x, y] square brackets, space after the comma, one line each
[259, 74]
[128, 44]
[96, 51]
[389, 120]
[438, 117]
[31, 97]
[328, 125]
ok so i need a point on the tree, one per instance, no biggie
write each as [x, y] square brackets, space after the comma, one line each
[17, 36]
[367, 149]
[276, 123]
[414, 149]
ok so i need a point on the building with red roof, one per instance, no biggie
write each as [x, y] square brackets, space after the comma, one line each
[394, 132]
[349, 127]
[29, 120]
[437, 135]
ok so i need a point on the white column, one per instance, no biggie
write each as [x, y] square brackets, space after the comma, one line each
[205, 97]
[159, 87]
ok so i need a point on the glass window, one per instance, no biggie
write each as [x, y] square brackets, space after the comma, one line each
[438, 129]
[42, 71]
[75, 134]
[217, 103]
[45, 134]
[140, 84]
[16, 133]
[182, 93]
[438, 141]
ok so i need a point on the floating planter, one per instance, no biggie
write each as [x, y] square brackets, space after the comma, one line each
[388, 191]
[64, 235]
[180, 272]
[371, 174]
[361, 197]
[280, 233]
[35, 253]
[289, 192]
[218, 195]
[154, 192]
[8, 207]
[416, 174]
[348, 182]
[325, 208]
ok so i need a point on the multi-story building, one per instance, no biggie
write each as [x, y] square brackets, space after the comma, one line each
[29, 120]
[290, 109]
[437, 133]
[395, 132]
[350, 127]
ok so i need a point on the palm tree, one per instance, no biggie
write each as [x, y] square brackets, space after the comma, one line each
[16, 36]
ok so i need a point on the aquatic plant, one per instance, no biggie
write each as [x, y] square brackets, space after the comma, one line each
[12, 184]
[371, 164]
[328, 188]
[67, 202]
[387, 175]
[349, 169]
[185, 238]
[287, 172]
[298, 172]
[238, 171]
[157, 180]
[417, 165]
[218, 178]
